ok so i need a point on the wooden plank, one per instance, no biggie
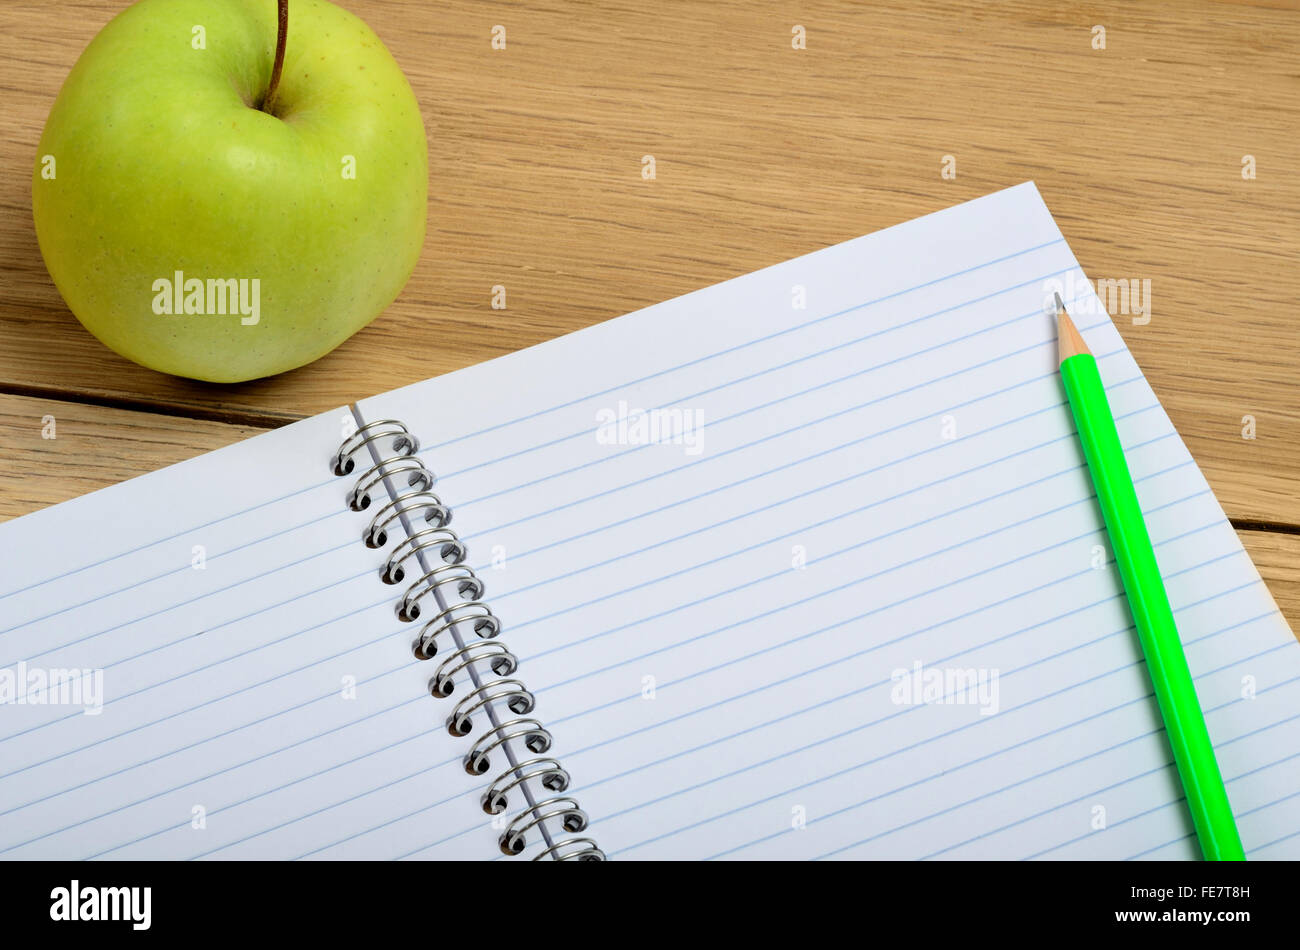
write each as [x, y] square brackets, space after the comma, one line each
[1278, 558]
[92, 447]
[764, 152]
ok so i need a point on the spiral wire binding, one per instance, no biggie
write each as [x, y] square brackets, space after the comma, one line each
[484, 663]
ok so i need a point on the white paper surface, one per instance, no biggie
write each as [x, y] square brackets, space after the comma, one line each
[885, 477]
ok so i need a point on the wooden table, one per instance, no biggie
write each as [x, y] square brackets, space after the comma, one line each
[762, 152]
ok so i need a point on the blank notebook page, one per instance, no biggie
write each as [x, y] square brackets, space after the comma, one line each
[867, 607]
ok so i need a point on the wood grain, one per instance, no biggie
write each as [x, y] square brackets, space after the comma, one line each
[92, 447]
[764, 152]
[1278, 558]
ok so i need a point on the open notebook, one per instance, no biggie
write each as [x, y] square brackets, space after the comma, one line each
[804, 565]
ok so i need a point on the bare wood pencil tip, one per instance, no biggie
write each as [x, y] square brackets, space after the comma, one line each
[1068, 341]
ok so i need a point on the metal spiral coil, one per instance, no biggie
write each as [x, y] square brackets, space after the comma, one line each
[500, 660]
[572, 849]
[547, 771]
[398, 474]
[464, 581]
[426, 503]
[531, 732]
[509, 691]
[475, 613]
[448, 547]
[572, 819]
[359, 497]
[403, 443]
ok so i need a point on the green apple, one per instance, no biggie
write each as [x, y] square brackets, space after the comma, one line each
[196, 234]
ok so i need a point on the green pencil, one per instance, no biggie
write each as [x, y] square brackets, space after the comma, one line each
[1207, 799]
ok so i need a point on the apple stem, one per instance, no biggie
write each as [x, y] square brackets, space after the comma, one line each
[268, 101]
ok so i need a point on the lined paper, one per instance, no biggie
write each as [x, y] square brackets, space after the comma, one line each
[726, 536]
[886, 486]
[231, 608]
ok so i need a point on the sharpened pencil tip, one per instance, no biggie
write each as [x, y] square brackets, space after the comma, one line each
[1068, 340]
